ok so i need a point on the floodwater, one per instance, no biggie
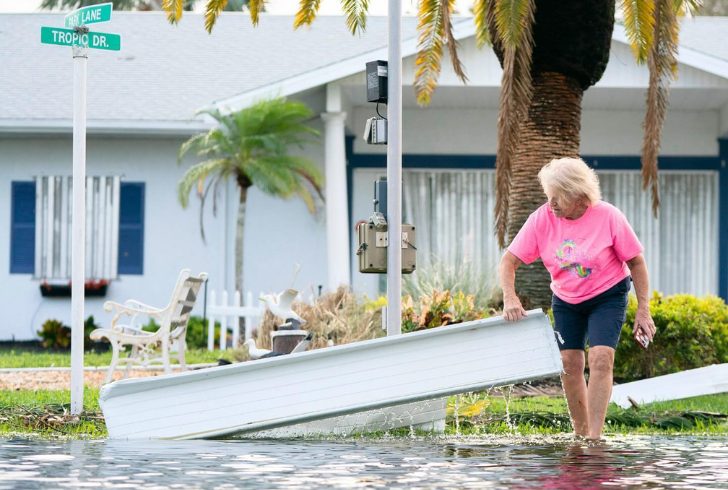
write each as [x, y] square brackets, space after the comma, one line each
[389, 462]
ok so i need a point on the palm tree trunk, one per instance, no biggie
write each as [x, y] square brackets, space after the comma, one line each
[550, 131]
[239, 241]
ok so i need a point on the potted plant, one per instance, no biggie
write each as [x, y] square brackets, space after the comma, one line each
[92, 287]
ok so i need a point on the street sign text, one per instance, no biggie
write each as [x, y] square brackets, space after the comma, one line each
[89, 15]
[69, 37]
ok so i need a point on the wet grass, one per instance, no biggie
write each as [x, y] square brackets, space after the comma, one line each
[27, 358]
[499, 414]
[46, 414]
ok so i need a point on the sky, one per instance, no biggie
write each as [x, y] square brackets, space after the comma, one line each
[280, 7]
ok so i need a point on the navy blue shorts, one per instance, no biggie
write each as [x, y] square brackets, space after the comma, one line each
[599, 319]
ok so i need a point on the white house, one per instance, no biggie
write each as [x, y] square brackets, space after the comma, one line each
[142, 104]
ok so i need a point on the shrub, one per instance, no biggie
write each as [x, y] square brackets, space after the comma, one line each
[55, 335]
[436, 276]
[339, 316]
[439, 308]
[196, 336]
[197, 333]
[691, 332]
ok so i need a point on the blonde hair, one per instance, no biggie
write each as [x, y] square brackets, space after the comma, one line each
[571, 179]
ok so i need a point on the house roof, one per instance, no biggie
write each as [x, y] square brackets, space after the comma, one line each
[701, 44]
[164, 74]
[706, 35]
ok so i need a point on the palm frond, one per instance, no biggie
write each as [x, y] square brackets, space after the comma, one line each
[480, 12]
[311, 174]
[307, 198]
[203, 199]
[307, 10]
[252, 146]
[452, 44]
[514, 26]
[688, 7]
[255, 7]
[356, 14]
[196, 174]
[429, 49]
[191, 144]
[174, 10]
[639, 25]
[512, 21]
[662, 63]
[212, 12]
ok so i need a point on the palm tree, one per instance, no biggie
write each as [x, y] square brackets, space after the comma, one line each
[551, 52]
[232, 5]
[252, 146]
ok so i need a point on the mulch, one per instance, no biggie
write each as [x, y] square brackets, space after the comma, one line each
[61, 380]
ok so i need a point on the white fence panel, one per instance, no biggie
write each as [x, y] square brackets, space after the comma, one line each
[228, 313]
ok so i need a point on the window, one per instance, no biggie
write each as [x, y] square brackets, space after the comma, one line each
[22, 227]
[41, 227]
[131, 228]
[453, 211]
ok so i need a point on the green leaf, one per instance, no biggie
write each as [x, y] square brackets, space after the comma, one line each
[307, 10]
[212, 12]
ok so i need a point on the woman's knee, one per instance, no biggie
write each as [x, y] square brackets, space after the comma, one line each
[573, 361]
[601, 359]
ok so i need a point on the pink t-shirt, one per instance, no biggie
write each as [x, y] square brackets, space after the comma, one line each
[585, 256]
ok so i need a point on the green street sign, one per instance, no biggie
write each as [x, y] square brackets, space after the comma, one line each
[89, 15]
[69, 37]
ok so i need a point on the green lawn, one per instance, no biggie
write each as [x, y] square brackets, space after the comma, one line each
[44, 414]
[26, 358]
[479, 414]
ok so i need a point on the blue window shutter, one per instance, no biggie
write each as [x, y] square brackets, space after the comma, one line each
[131, 228]
[22, 228]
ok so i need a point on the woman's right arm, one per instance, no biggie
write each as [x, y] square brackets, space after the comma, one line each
[512, 307]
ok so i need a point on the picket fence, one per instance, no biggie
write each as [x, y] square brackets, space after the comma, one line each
[227, 309]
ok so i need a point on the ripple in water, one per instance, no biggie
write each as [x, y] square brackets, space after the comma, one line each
[440, 462]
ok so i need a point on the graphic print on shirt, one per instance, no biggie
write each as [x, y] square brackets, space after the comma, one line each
[570, 258]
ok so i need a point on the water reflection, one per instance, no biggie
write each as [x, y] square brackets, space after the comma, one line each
[492, 462]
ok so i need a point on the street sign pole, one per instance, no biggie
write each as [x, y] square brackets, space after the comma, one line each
[77, 35]
[394, 169]
[78, 233]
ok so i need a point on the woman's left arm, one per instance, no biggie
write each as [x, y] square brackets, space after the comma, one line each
[643, 318]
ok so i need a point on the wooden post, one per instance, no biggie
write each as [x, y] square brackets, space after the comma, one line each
[249, 317]
[211, 323]
[223, 322]
[236, 321]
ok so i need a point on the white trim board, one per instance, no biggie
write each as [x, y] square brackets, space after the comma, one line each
[707, 380]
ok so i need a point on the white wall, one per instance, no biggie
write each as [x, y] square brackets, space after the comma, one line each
[603, 132]
[171, 235]
[473, 132]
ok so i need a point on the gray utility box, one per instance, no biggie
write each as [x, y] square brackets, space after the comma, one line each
[372, 248]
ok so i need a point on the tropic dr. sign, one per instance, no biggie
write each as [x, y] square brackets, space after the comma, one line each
[69, 37]
[89, 15]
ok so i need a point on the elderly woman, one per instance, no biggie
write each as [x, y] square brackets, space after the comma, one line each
[591, 251]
